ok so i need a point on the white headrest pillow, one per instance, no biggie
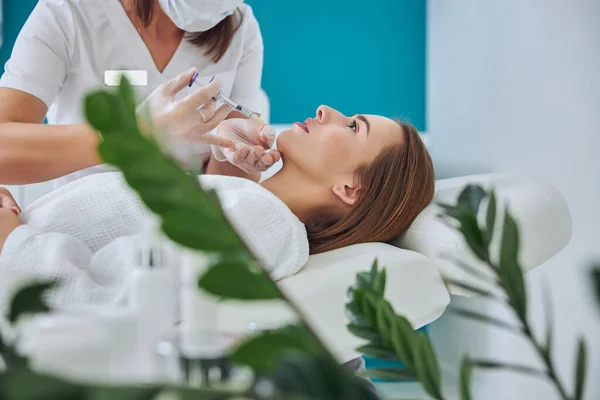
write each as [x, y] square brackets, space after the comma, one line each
[541, 213]
[414, 288]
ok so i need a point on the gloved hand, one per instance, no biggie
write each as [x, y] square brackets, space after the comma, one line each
[253, 152]
[189, 119]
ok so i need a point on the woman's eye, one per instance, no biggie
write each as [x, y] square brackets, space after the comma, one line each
[353, 126]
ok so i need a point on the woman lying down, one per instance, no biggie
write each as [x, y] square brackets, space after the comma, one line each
[344, 180]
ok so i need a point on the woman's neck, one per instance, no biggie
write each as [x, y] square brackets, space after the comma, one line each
[301, 195]
[160, 28]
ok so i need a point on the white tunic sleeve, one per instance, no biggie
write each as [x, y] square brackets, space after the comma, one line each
[40, 59]
[247, 83]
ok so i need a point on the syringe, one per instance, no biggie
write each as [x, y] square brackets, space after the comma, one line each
[235, 105]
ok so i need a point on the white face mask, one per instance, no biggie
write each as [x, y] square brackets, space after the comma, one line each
[198, 15]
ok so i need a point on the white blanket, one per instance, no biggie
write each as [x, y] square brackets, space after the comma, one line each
[85, 232]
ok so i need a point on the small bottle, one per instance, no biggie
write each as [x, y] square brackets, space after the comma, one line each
[198, 310]
[153, 301]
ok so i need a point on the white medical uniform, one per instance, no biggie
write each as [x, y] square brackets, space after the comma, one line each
[66, 46]
[85, 233]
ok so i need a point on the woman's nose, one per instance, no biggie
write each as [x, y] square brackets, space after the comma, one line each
[327, 115]
[322, 114]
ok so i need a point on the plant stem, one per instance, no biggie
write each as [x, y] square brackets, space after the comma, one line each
[547, 361]
[538, 347]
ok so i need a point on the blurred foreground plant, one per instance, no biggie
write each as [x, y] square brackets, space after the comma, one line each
[391, 337]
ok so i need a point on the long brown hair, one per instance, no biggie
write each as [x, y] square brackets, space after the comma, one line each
[216, 40]
[395, 188]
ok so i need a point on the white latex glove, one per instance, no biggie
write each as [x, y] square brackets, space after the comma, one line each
[189, 119]
[253, 141]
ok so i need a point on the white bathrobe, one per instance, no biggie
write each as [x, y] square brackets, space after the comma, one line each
[84, 233]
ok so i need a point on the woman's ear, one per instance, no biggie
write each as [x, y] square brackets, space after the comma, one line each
[348, 193]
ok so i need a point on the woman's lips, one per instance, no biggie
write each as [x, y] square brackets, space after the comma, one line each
[302, 126]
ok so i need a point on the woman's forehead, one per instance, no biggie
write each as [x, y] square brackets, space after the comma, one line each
[385, 128]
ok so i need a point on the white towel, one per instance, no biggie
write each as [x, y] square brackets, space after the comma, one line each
[85, 232]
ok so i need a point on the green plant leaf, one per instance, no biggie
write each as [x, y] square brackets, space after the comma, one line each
[205, 394]
[364, 333]
[302, 377]
[486, 319]
[103, 111]
[234, 279]
[475, 272]
[596, 281]
[521, 369]
[549, 320]
[511, 275]
[472, 288]
[383, 323]
[427, 368]
[22, 384]
[377, 351]
[29, 299]
[122, 393]
[464, 383]
[374, 269]
[356, 316]
[580, 370]
[363, 280]
[360, 308]
[490, 221]
[368, 305]
[472, 234]
[469, 228]
[393, 374]
[404, 341]
[128, 104]
[264, 351]
[450, 210]
[379, 283]
[471, 197]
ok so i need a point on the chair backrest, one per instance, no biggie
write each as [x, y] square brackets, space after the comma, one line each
[541, 212]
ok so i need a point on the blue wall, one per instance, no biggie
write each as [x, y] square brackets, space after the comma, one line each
[343, 53]
[15, 12]
[356, 56]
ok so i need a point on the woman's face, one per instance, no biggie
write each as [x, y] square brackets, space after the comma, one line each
[331, 146]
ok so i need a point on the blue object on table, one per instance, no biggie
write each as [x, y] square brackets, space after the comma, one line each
[371, 363]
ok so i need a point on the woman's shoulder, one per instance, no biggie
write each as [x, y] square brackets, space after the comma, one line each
[265, 223]
[75, 7]
[247, 12]
[73, 15]
[253, 196]
[249, 24]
